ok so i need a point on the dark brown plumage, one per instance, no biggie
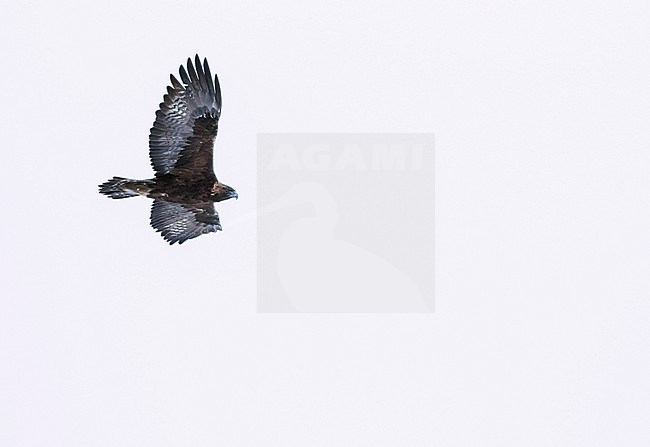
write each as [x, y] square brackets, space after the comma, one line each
[181, 143]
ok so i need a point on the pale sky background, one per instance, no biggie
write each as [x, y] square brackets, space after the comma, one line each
[541, 110]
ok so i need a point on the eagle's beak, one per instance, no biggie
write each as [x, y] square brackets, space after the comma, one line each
[236, 196]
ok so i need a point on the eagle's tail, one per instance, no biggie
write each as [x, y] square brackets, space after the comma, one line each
[121, 188]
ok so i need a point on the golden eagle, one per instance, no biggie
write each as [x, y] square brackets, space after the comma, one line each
[181, 140]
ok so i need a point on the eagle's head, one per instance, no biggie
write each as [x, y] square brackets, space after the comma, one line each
[222, 192]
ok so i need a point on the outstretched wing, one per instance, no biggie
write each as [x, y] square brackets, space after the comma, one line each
[178, 222]
[182, 137]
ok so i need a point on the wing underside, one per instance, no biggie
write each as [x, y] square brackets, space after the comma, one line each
[186, 122]
[178, 222]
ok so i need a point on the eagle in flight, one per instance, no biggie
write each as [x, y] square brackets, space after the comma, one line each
[181, 140]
